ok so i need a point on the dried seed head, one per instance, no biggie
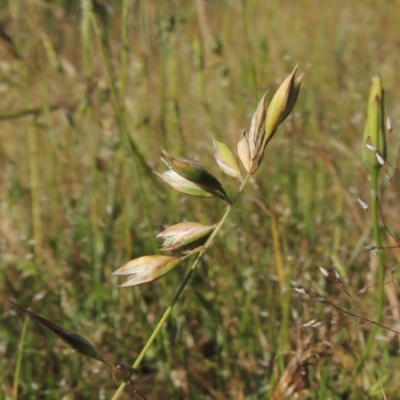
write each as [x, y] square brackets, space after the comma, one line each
[372, 148]
[301, 290]
[147, 269]
[281, 104]
[363, 204]
[337, 276]
[309, 323]
[380, 159]
[369, 247]
[362, 291]
[244, 151]
[196, 174]
[321, 299]
[296, 284]
[264, 123]
[257, 130]
[183, 185]
[185, 236]
[389, 125]
[317, 325]
[226, 160]
[314, 323]
[324, 272]
[178, 229]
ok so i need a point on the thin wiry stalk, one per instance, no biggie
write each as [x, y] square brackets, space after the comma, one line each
[342, 311]
[33, 176]
[381, 273]
[124, 49]
[86, 9]
[19, 360]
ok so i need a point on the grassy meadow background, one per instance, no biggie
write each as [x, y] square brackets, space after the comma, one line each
[83, 107]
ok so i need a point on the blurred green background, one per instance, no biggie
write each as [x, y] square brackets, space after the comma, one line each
[88, 91]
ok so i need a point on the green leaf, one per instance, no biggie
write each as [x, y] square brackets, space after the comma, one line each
[76, 342]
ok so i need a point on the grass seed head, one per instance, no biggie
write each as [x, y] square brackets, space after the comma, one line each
[363, 204]
[147, 269]
[389, 125]
[257, 130]
[296, 284]
[243, 149]
[182, 185]
[226, 160]
[282, 104]
[324, 272]
[185, 236]
[195, 173]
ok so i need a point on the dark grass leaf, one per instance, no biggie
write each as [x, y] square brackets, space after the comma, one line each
[75, 342]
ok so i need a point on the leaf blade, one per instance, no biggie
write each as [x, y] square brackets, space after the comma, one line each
[74, 341]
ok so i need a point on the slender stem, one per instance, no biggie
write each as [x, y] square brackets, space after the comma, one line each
[378, 243]
[17, 372]
[360, 317]
[125, 49]
[253, 71]
[381, 276]
[34, 178]
[86, 10]
[189, 274]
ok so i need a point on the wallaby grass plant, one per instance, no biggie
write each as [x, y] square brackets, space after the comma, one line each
[81, 113]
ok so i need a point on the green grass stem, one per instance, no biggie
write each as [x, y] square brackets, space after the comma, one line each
[17, 372]
[381, 277]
